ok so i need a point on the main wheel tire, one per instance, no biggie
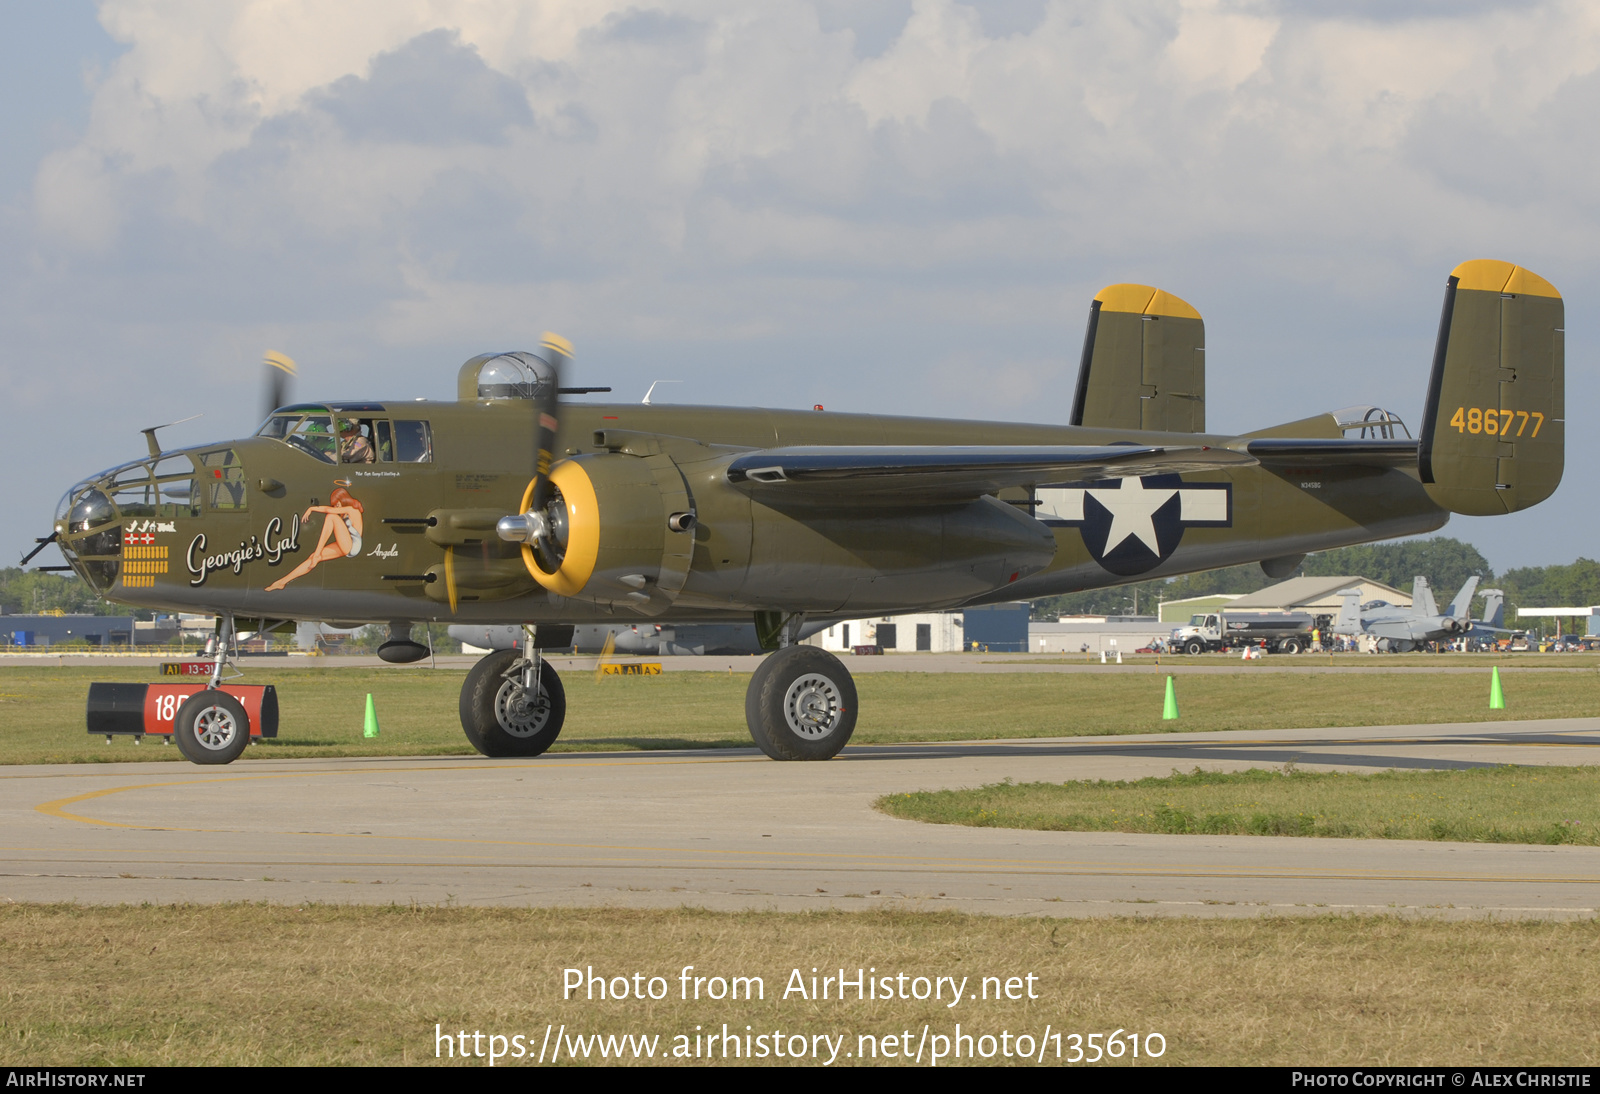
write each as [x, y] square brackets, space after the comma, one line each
[500, 719]
[801, 704]
[1195, 646]
[211, 727]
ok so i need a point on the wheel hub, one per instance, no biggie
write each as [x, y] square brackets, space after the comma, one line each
[519, 714]
[812, 706]
[214, 728]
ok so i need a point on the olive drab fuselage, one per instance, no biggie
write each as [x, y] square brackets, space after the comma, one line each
[426, 527]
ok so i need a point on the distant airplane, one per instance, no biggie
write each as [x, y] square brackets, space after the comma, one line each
[1494, 615]
[1402, 629]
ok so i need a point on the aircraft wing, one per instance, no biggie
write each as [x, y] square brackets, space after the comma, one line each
[1334, 452]
[918, 474]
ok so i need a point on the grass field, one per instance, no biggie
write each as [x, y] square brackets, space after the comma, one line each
[246, 984]
[1547, 805]
[42, 720]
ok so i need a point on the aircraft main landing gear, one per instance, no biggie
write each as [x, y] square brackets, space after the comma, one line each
[801, 704]
[513, 705]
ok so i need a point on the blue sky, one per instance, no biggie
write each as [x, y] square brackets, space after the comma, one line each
[881, 205]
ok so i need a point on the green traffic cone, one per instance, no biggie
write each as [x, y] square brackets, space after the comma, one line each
[1169, 709]
[1497, 698]
[371, 729]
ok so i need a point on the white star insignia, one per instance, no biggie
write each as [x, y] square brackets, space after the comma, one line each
[1132, 510]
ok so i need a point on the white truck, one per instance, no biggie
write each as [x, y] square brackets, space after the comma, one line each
[1282, 632]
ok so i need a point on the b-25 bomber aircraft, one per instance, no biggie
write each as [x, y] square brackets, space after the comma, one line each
[1400, 630]
[508, 507]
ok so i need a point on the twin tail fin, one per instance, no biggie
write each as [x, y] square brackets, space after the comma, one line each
[1493, 436]
[1144, 363]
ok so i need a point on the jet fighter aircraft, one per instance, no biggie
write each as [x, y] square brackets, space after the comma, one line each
[508, 506]
[1403, 629]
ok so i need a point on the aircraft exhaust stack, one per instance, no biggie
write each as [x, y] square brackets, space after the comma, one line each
[1494, 428]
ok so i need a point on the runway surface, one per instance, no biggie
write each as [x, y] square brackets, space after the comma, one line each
[733, 830]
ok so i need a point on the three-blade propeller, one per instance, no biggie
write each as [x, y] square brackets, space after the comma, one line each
[541, 524]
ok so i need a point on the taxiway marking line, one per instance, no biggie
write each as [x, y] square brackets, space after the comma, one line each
[57, 808]
[555, 760]
[1087, 870]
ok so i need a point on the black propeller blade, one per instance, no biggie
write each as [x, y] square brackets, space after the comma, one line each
[538, 526]
[281, 369]
[556, 352]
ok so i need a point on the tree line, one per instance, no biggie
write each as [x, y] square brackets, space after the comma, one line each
[34, 592]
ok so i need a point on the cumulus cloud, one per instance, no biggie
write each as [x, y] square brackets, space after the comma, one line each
[1106, 126]
[432, 90]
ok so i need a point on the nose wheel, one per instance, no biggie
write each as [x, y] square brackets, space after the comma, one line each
[211, 727]
[801, 704]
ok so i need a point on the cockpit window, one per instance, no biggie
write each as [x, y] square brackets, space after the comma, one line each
[278, 426]
[313, 434]
[307, 427]
[225, 477]
[350, 433]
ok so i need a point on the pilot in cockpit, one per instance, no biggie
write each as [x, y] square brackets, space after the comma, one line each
[353, 446]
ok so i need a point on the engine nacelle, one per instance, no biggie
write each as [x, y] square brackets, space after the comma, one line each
[626, 531]
[626, 539]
